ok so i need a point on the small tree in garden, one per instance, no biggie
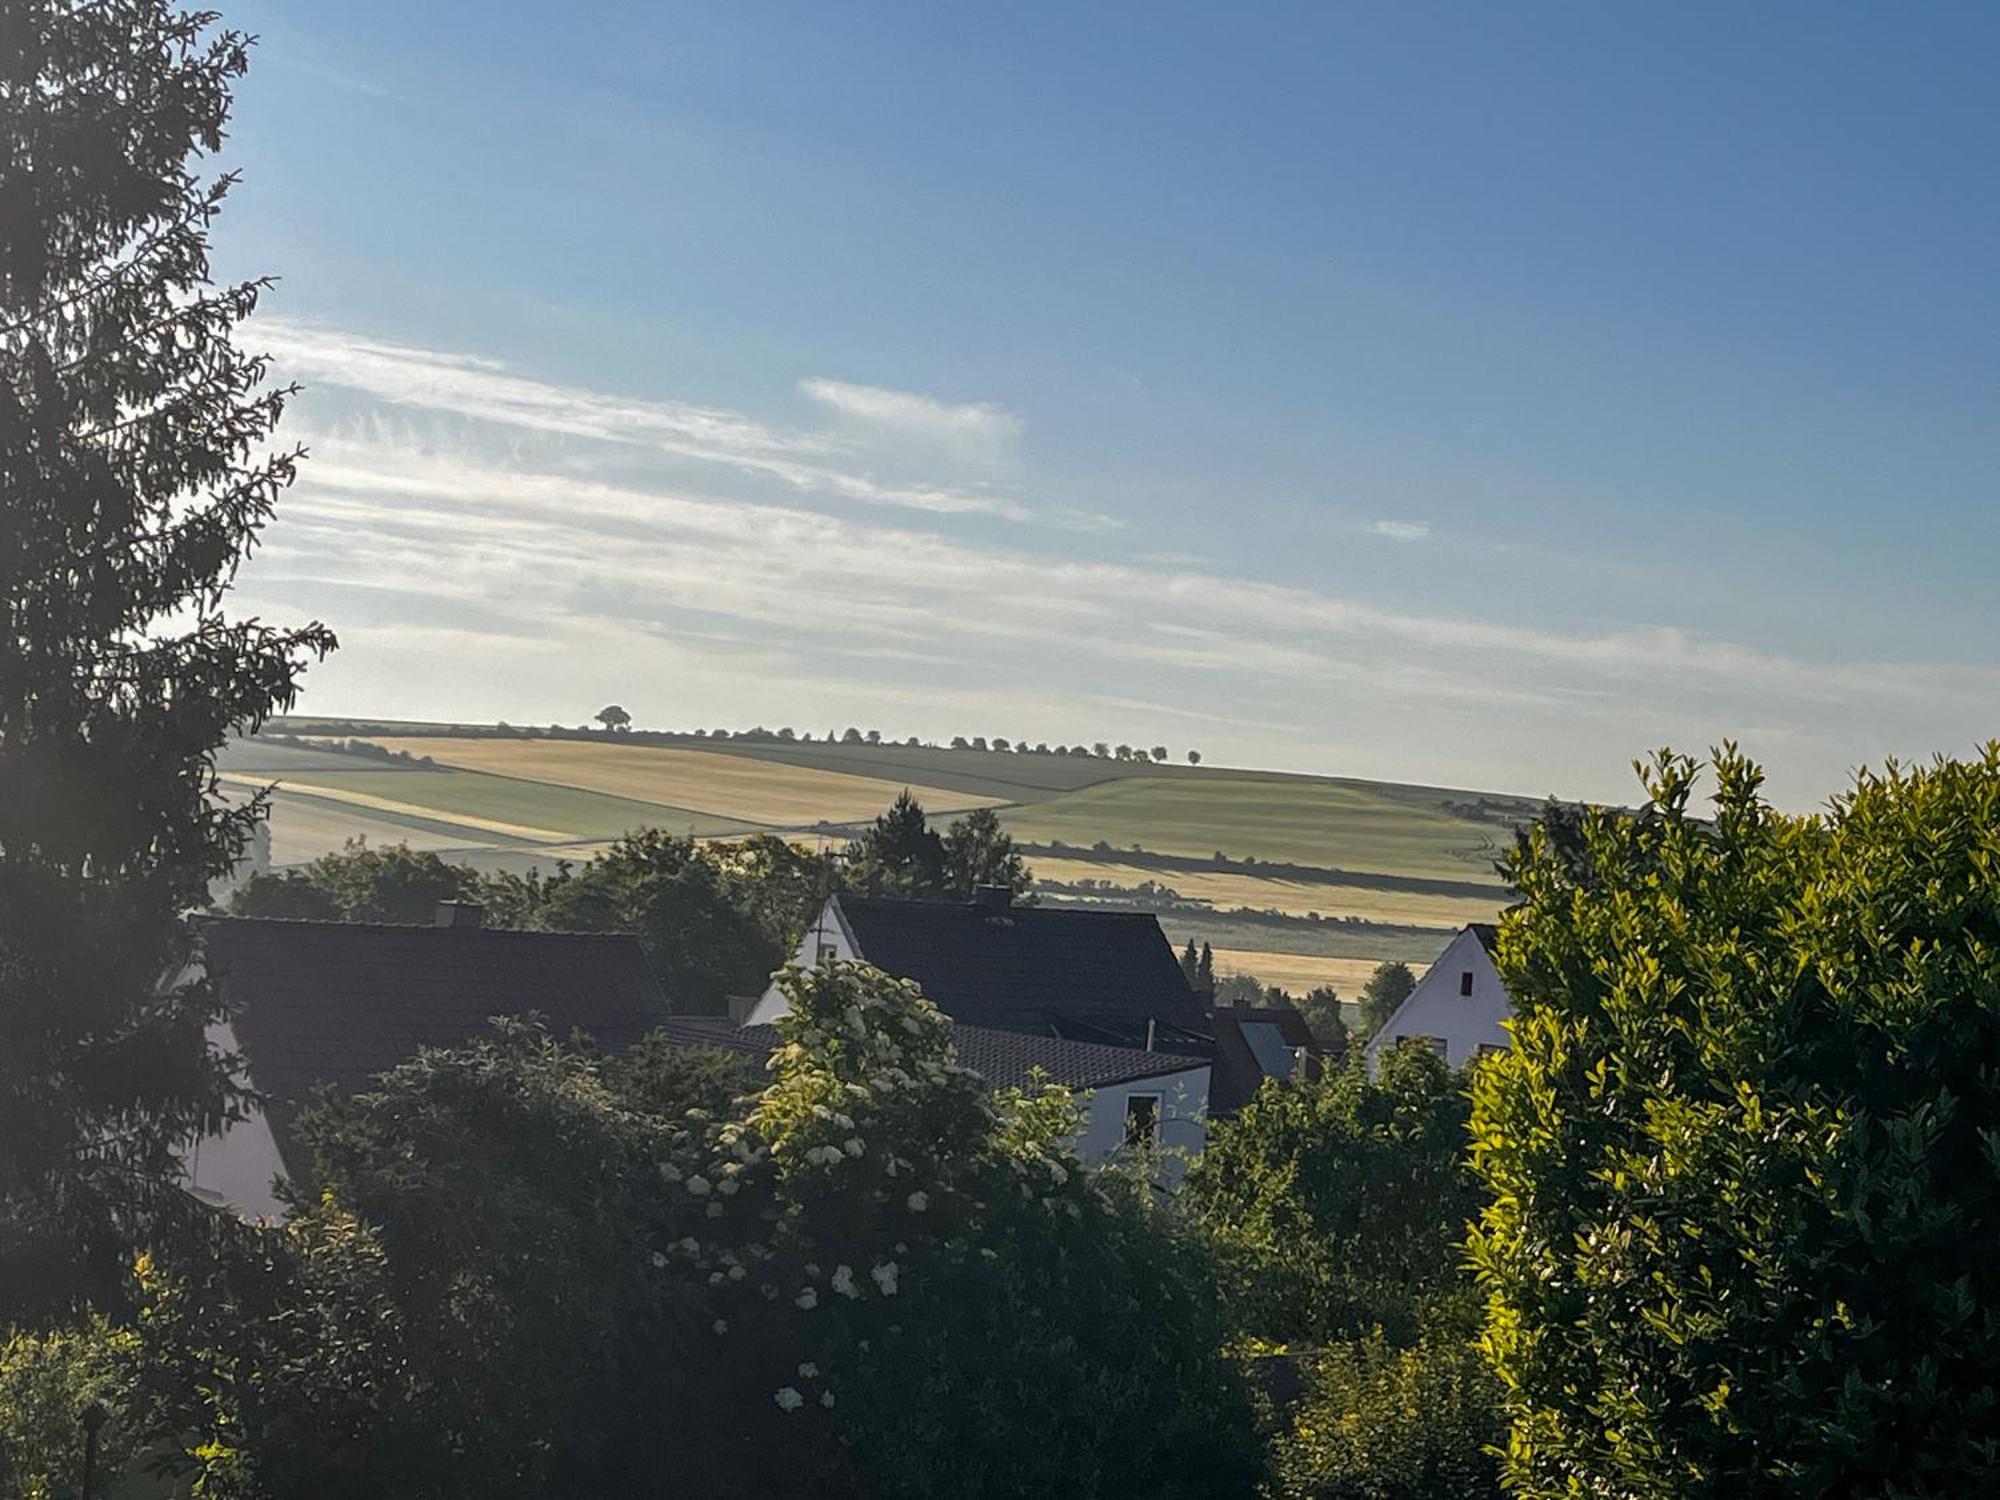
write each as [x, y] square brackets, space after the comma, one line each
[1340, 1206]
[134, 480]
[1743, 1152]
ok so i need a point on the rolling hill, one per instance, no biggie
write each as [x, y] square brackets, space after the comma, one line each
[1300, 879]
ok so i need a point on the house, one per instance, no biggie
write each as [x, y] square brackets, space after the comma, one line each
[1155, 1098]
[1459, 1009]
[1085, 975]
[1095, 998]
[1253, 1043]
[335, 1003]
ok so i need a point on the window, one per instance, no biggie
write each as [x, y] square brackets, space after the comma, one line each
[1465, 982]
[1490, 1049]
[828, 952]
[1142, 1119]
[1435, 1043]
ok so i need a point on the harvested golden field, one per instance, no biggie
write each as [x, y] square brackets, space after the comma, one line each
[1296, 973]
[1227, 889]
[729, 786]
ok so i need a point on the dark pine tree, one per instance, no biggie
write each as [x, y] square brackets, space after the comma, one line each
[1190, 962]
[900, 854]
[1204, 970]
[134, 479]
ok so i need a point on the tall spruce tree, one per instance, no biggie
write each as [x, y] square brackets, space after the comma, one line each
[133, 481]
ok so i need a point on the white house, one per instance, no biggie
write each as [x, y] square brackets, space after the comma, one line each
[1132, 1097]
[1094, 998]
[338, 1003]
[1459, 1009]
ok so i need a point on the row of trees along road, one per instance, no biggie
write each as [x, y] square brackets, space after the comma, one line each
[1734, 1193]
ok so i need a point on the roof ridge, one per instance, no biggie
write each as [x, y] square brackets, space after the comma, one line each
[336, 924]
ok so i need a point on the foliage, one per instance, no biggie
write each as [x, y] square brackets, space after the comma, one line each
[781, 885]
[1323, 1013]
[392, 883]
[1388, 987]
[1341, 1205]
[702, 943]
[978, 852]
[47, 1381]
[1382, 1423]
[1743, 1153]
[536, 1271]
[899, 854]
[968, 1285]
[133, 481]
[613, 717]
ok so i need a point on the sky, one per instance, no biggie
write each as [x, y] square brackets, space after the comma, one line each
[1474, 395]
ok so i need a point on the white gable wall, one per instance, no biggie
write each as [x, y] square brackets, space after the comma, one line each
[1438, 1007]
[1183, 1119]
[827, 941]
[235, 1168]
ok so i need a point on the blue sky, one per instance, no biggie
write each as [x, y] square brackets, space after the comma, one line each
[1465, 393]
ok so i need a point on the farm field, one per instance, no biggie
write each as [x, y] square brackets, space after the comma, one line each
[1339, 825]
[1315, 940]
[1228, 889]
[509, 802]
[736, 787]
[1297, 973]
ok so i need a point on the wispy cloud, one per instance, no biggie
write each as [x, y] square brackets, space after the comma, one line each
[1402, 531]
[482, 390]
[909, 412]
[736, 599]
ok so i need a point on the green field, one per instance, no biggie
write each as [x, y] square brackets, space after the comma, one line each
[510, 802]
[1333, 824]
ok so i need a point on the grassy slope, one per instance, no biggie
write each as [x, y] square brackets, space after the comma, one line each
[727, 786]
[1397, 830]
[981, 773]
[1342, 825]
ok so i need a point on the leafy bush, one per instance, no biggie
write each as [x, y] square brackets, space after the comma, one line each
[1341, 1205]
[47, 1381]
[1381, 1423]
[537, 1271]
[1744, 1151]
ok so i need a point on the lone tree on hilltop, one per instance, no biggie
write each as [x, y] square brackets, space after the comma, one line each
[1194, 757]
[134, 481]
[613, 718]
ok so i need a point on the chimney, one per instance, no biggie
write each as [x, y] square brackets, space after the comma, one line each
[993, 898]
[460, 914]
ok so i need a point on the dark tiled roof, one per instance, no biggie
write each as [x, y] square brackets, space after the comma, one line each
[1488, 935]
[339, 1002]
[1003, 1058]
[1086, 975]
[1238, 1075]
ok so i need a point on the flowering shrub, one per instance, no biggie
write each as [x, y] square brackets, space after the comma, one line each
[537, 1271]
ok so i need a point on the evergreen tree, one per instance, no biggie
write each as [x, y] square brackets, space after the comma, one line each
[1190, 962]
[900, 854]
[978, 851]
[1204, 970]
[133, 483]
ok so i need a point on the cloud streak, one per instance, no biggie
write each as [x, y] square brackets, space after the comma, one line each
[483, 390]
[427, 519]
[979, 424]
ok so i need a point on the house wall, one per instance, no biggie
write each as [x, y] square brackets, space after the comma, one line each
[829, 931]
[1435, 1008]
[236, 1166]
[1183, 1119]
